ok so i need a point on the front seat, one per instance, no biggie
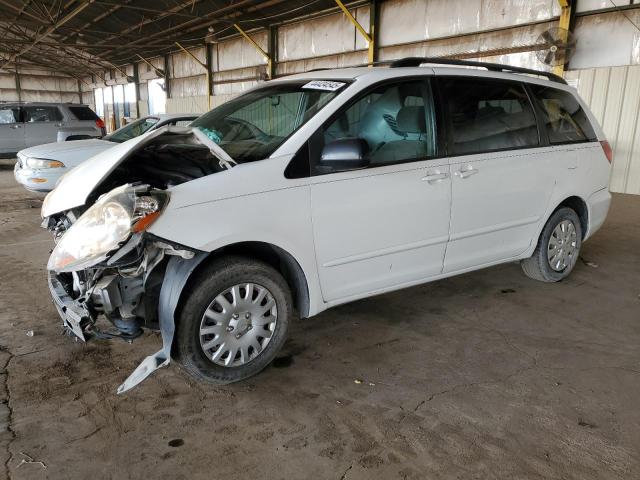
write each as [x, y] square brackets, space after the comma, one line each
[411, 122]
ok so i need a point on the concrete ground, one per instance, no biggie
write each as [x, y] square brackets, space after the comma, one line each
[486, 375]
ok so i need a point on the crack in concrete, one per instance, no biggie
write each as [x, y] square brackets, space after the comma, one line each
[10, 429]
[533, 364]
[344, 475]
[533, 359]
[475, 384]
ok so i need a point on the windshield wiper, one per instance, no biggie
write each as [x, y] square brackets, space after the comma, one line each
[223, 157]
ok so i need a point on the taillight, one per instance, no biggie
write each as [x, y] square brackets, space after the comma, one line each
[100, 123]
[606, 148]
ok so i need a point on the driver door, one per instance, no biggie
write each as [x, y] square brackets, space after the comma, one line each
[387, 225]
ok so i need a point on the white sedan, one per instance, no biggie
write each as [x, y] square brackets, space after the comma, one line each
[39, 168]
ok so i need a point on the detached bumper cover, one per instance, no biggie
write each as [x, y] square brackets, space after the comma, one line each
[74, 315]
[175, 278]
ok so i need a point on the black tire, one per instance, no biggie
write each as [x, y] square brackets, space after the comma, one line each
[215, 278]
[537, 266]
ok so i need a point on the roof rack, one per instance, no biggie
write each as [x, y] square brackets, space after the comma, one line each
[494, 67]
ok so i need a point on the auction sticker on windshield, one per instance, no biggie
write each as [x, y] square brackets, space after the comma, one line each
[323, 85]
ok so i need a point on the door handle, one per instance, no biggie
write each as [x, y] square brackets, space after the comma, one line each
[14, 127]
[59, 124]
[467, 172]
[435, 177]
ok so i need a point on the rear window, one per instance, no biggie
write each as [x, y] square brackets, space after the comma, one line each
[83, 113]
[563, 117]
[182, 123]
[488, 115]
[132, 130]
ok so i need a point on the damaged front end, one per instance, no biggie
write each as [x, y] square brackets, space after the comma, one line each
[107, 275]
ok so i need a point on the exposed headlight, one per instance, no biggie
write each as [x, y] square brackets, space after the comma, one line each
[105, 226]
[40, 163]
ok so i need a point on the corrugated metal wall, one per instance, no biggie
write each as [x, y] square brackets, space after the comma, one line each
[38, 86]
[613, 94]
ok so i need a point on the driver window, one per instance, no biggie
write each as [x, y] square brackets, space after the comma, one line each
[397, 122]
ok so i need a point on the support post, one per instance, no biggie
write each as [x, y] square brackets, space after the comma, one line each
[272, 49]
[136, 82]
[18, 87]
[167, 82]
[112, 117]
[564, 23]
[208, 62]
[257, 47]
[367, 36]
[203, 65]
[374, 11]
[80, 90]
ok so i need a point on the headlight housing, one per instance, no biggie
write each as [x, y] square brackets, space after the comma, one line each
[106, 225]
[41, 163]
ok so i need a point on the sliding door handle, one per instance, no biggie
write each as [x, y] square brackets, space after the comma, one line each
[467, 172]
[436, 177]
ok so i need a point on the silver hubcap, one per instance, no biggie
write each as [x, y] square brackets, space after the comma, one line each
[237, 326]
[563, 246]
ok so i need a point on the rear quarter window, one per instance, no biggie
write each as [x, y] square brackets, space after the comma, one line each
[38, 114]
[83, 113]
[562, 116]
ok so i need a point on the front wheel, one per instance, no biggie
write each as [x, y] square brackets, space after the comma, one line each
[234, 321]
[558, 248]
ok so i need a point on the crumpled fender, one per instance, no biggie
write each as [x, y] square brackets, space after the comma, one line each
[175, 278]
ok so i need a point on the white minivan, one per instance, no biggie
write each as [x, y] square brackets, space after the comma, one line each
[315, 190]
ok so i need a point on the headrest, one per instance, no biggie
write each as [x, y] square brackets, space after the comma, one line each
[411, 120]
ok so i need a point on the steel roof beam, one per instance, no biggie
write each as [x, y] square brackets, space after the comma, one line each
[98, 18]
[23, 11]
[51, 29]
[205, 21]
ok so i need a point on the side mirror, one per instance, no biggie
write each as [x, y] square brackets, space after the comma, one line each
[345, 154]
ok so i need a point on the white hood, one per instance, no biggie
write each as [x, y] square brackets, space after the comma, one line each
[77, 185]
[52, 151]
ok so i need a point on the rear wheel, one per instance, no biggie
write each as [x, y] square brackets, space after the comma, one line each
[234, 321]
[558, 248]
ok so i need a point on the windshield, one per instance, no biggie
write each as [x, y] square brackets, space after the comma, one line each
[252, 126]
[132, 130]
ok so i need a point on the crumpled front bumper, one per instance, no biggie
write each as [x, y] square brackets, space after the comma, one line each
[75, 315]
